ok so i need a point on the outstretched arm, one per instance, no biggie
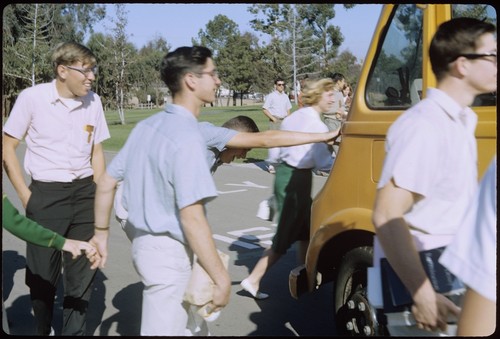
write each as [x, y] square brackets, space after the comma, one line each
[276, 138]
[32, 232]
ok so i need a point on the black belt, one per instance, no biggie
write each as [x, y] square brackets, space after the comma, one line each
[73, 182]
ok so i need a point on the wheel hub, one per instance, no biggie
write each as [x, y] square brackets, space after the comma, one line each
[360, 318]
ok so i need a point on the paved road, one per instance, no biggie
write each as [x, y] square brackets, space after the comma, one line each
[116, 302]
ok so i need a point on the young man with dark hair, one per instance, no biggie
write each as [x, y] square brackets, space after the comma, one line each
[166, 184]
[430, 169]
[276, 107]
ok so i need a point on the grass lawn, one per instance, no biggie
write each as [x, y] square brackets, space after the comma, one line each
[215, 115]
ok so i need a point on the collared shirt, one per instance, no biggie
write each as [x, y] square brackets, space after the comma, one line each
[471, 256]
[431, 150]
[216, 139]
[59, 132]
[308, 156]
[277, 104]
[163, 167]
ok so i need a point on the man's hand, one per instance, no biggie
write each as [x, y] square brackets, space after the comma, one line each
[222, 292]
[100, 241]
[75, 247]
[431, 310]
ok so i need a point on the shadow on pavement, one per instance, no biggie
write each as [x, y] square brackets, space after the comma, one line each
[127, 320]
[282, 315]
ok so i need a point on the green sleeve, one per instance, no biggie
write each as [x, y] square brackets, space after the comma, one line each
[27, 229]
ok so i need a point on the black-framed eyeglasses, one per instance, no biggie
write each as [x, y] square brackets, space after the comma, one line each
[85, 71]
[473, 56]
[214, 74]
[280, 84]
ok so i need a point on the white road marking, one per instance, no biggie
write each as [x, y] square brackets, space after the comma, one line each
[248, 184]
[227, 192]
[246, 238]
[232, 241]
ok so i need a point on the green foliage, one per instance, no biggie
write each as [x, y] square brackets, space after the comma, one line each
[30, 32]
[236, 62]
[245, 63]
[217, 33]
[347, 64]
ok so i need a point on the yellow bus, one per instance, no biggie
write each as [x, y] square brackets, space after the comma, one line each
[395, 76]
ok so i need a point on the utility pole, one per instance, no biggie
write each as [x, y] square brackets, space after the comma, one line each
[293, 56]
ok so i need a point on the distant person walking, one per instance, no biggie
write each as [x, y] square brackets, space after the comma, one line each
[276, 107]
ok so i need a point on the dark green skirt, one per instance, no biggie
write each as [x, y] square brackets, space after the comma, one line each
[292, 191]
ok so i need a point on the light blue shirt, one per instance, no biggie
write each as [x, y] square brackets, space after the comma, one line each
[164, 169]
[216, 139]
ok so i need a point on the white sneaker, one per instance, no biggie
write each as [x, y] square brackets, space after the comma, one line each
[271, 169]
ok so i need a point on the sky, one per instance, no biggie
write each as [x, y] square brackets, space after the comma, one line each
[179, 23]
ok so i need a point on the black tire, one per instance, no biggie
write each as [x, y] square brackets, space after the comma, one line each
[354, 315]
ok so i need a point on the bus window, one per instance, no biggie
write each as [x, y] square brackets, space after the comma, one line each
[395, 79]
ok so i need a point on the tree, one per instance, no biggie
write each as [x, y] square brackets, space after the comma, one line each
[102, 46]
[237, 62]
[122, 51]
[329, 37]
[273, 19]
[215, 37]
[144, 73]
[347, 64]
[303, 38]
[217, 33]
[30, 32]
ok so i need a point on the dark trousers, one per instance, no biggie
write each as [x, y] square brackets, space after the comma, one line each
[68, 209]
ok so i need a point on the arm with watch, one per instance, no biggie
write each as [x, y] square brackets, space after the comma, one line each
[104, 196]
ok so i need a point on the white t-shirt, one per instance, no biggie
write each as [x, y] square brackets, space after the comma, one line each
[313, 156]
[471, 256]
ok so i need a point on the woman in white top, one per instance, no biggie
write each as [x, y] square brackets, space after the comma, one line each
[293, 182]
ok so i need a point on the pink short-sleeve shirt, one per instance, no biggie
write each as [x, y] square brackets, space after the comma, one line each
[59, 132]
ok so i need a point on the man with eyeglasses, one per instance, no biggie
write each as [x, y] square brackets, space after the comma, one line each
[276, 107]
[63, 125]
[166, 184]
[430, 174]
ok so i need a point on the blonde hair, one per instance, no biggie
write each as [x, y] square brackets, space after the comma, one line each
[313, 90]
